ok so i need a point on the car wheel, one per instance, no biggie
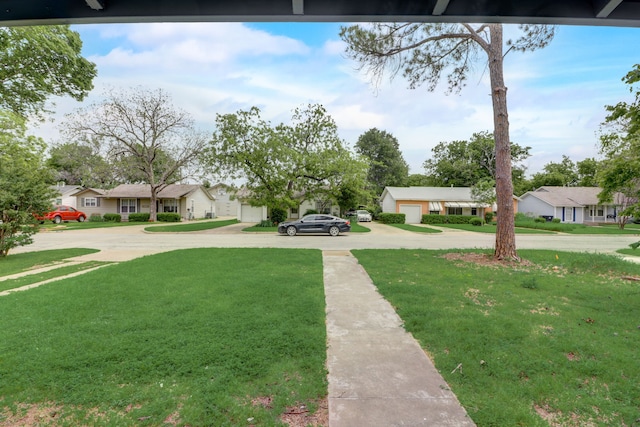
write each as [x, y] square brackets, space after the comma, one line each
[81, 219]
[57, 220]
[334, 231]
[291, 230]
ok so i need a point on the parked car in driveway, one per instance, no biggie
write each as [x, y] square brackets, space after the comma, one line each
[316, 223]
[63, 213]
[364, 216]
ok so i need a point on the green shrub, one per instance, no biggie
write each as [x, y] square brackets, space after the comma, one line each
[433, 219]
[539, 219]
[112, 217]
[278, 215]
[265, 223]
[139, 217]
[310, 212]
[488, 216]
[392, 218]
[168, 217]
[95, 217]
[459, 219]
[475, 221]
[556, 220]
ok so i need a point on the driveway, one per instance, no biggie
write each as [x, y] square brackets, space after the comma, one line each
[120, 243]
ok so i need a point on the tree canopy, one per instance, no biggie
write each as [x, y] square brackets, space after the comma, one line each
[24, 182]
[620, 144]
[465, 163]
[144, 133]
[567, 173]
[38, 62]
[424, 52]
[283, 165]
[387, 167]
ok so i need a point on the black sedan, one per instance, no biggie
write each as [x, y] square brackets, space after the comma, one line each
[317, 223]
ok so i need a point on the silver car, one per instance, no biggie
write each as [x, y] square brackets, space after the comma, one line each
[363, 216]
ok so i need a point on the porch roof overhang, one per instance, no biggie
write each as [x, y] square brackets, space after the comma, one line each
[566, 12]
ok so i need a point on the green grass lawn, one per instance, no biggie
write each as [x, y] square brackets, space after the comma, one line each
[219, 337]
[190, 226]
[17, 263]
[577, 228]
[629, 251]
[75, 225]
[557, 335]
[491, 228]
[56, 272]
[415, 228]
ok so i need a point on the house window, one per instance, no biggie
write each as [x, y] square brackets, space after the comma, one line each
[128, 205]
[90, 202]
[294, 211]
[434, 212]
[58, 201]
[596, 211]
[454, 211]
[170, 205]
[474, 211]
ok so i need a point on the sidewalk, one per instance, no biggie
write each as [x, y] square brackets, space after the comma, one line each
[378, 374]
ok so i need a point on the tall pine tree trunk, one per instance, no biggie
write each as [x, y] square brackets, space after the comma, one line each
[505, 231]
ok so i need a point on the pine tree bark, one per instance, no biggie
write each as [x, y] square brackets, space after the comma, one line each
[505, 247]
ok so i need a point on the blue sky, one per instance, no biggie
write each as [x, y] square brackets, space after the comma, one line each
[556, 95]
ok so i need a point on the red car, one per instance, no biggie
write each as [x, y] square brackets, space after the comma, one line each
[63, 213]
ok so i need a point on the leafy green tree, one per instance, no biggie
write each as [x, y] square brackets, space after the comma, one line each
[465, 163]
[587, 171]
[24, 183]
[419, 180]
[563, 174]
[141, 129]
[424, 52]
[80, 164]
[387, 166]
[619, 172]
[38, 62]
[285, 164]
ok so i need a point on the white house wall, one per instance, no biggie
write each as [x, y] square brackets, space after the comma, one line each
[196, 203]
[532, 206]
[388, 204]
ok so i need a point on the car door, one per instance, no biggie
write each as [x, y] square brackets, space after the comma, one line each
[307, 224]
[323, 223]
[64, 213]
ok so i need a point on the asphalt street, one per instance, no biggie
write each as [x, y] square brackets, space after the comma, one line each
[122, 243]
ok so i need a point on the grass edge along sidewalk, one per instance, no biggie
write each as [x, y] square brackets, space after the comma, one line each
[193, 337]
[550, 340]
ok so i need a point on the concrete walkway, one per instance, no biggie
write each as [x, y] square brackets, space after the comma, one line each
[378, 374]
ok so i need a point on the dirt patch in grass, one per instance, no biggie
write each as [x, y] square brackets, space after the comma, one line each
[486, 260]
[30, 415]
[299, 415]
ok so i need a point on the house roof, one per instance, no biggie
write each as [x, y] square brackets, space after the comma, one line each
[135, 191]
[66, 189]
[454, 194]
[450, 194]
[566, 196]
[97, 191]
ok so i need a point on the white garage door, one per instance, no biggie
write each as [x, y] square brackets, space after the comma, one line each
[413, 213]
[250, 213]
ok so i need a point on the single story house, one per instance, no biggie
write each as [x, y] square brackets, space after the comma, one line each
[189, 200]
[65, 194]
[570, 204]
[417, 201]
[248, 213]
